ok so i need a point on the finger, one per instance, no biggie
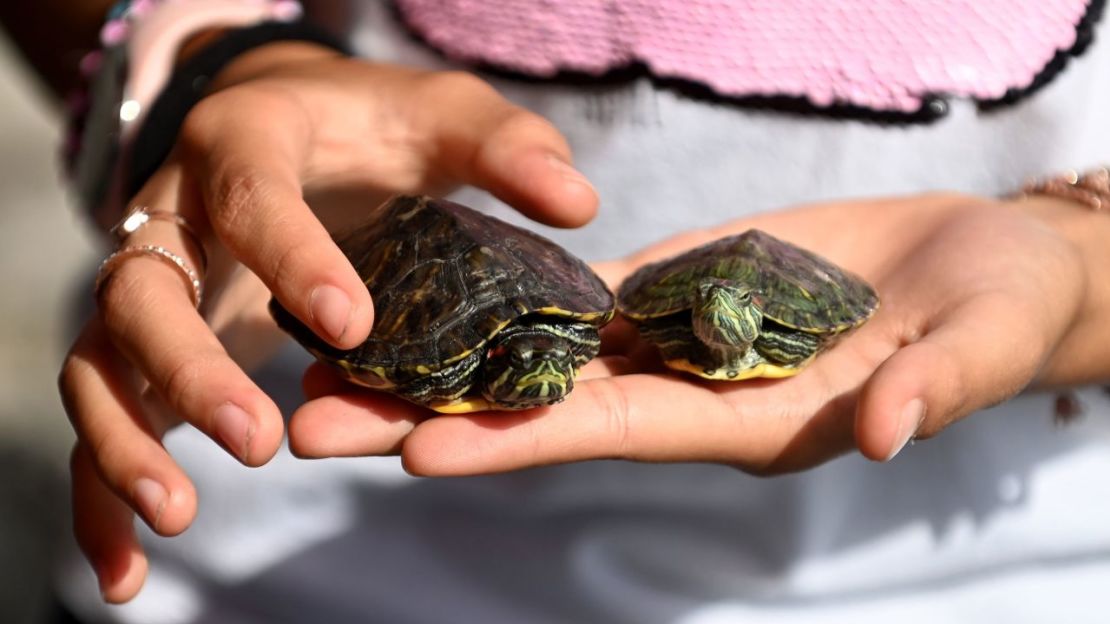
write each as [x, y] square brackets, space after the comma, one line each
[105, 531]
[482, 139]
[352, 425]
[343, 420]
[958, 367]
[639, 417]
[122, 446]
[150, 318]
[247, 149]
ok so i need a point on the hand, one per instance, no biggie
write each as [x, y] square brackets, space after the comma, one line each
[978, 298]
[286, 120]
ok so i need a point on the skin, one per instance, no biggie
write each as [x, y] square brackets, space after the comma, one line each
[948, 340]
[348, 129]
[981, 300]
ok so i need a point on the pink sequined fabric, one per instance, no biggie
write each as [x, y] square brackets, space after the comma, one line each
[886, 55]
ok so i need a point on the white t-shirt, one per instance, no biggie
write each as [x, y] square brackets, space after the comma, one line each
[1004, 517]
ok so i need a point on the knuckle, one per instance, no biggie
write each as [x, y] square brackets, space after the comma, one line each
[957, 395]
[69, 383]
[109, 457]
[613, 404]
[284, 267]
[508, 130]
[68, 377]
[517, 122]
[950, 389]
[458, 84]
[234, 194]
[205, 123]
[201, 125]
[520, 120]
[124, 295]
[181, 377]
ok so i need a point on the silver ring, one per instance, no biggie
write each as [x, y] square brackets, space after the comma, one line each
[118, 257]
[139, 216]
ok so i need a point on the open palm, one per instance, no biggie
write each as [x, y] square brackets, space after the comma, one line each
[976, 296]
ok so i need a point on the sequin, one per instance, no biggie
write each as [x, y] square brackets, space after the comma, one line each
[886, 55]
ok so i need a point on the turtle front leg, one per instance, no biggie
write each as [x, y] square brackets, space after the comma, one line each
[786, 348]
[681, 349]
[443, 387]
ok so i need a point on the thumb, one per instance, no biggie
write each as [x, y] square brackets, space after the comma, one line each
[972, 359]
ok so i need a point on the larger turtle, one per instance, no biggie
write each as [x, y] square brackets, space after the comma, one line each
[744, 306]
[471, 313]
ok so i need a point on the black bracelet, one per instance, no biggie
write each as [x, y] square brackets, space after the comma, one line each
[187, 86]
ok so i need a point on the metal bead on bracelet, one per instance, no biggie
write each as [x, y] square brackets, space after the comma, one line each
[1091, 188]
[136, 219]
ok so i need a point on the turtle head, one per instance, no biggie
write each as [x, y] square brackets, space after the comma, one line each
[725, 315]
[528, 368]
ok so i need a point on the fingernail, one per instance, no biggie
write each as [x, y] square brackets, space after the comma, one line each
[909, 420]
[569, 173]
[331, 309]
[151, 498]
[103, 579]
[234, 427]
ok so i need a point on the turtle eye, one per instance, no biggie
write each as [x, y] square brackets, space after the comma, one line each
[520, 358]
[744, 297]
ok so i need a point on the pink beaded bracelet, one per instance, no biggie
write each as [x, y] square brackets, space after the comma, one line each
[1091, 188]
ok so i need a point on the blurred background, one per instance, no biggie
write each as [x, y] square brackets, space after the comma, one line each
[46, 251]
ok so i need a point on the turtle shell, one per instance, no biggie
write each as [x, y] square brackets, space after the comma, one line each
[444, 280]
[794, 287]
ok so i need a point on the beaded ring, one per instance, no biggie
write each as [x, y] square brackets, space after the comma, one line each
[139, 216]
[118, 257]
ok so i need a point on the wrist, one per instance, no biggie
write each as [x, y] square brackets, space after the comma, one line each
[1082, 355]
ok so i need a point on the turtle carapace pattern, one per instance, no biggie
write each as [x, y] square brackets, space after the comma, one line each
[744, 306]
[471, 313]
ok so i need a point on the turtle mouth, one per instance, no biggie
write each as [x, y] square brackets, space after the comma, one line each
[538, 393]
[536, 390]
[550, 378]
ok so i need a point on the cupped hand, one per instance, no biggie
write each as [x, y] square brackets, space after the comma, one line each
[284, 121]
[977, 296]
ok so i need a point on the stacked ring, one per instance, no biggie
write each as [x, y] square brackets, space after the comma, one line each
[139, 216]
[116, 258]
[136, 219]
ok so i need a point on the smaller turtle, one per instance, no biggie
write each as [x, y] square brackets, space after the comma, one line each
[744, 306]
[471, 313]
